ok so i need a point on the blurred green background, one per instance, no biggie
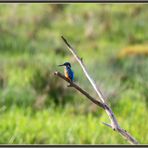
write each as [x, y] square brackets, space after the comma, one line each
[37, 108]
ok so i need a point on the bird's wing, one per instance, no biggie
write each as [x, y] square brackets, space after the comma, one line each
[71, 74]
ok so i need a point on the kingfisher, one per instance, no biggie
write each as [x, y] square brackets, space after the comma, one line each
[69, 74]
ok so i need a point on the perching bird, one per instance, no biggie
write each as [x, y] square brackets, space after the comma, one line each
[69, 74]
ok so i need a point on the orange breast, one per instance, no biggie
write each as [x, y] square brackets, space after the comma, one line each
[66, 74]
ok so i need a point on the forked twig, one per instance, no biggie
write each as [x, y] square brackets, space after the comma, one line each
[114, 124]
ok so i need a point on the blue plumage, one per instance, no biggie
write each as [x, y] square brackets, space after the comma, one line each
[70, 73]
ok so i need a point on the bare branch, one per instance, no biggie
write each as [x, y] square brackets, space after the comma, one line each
[114, 124]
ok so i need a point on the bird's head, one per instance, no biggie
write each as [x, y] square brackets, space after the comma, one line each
[67, 64]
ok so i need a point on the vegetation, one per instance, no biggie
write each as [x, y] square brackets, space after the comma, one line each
[38, 108]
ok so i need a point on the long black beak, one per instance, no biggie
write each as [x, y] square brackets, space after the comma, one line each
[61, 65]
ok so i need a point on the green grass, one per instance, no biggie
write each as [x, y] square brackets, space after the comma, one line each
[58, 126]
